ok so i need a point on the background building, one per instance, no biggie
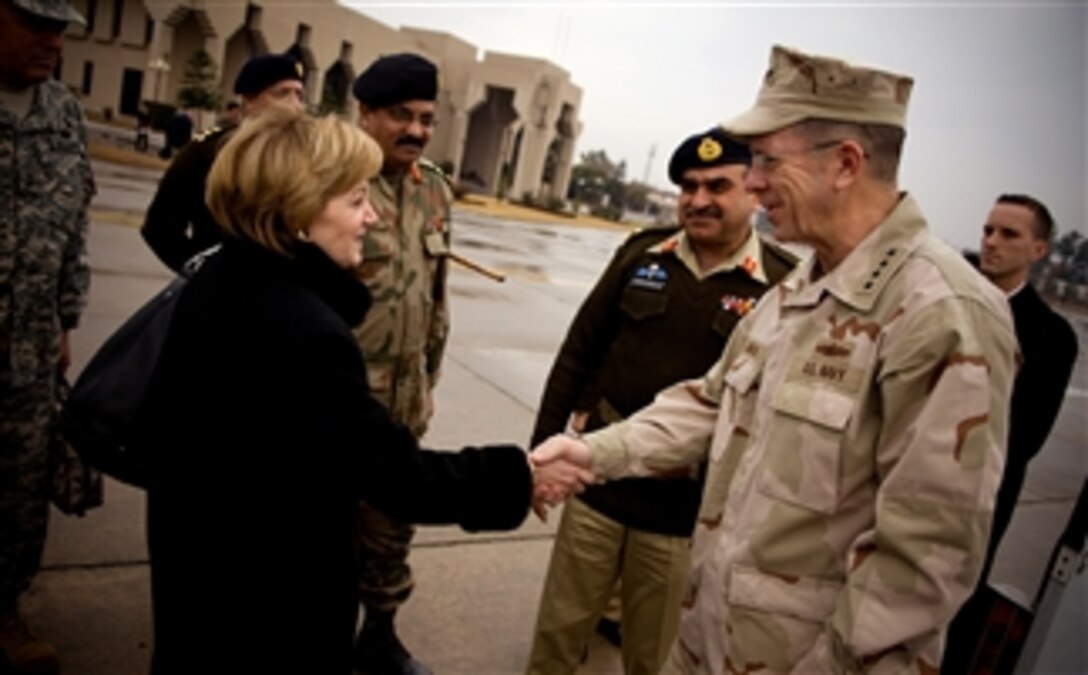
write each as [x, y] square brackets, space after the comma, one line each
[507, 124]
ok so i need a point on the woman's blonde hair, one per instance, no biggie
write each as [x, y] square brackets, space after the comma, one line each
[278, 171]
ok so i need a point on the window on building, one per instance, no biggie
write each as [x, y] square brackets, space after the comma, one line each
[92, 14]
[118, 13]
[88, 77]
[149, 29]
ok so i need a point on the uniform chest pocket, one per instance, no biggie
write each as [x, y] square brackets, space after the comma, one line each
[740, 392]
[55, 170]
[801, 464]
[379, 243]
[641, 304]
[434, 242]
[724, 323]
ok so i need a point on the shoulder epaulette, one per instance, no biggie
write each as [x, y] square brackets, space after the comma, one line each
[651, 234]
[427, 166]
[777, 250]
[207, 134]
[777, 260]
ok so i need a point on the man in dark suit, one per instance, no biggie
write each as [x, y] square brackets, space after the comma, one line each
[178, 224]
[1016, 235]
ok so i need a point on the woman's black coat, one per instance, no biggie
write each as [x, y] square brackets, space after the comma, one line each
[265, 440]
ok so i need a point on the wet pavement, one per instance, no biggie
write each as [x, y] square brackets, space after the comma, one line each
[476, 596]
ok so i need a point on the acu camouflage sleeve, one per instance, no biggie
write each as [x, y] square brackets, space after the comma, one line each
[439, 327]
[944, 388]
[75, 274]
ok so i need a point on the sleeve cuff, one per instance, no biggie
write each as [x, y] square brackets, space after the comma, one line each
[609, 451]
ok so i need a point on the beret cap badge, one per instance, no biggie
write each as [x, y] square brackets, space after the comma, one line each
[709, 149]
[704, 150]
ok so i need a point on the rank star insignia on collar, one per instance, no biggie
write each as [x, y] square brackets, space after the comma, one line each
[737, 305]
[709, 149]
[749, 265]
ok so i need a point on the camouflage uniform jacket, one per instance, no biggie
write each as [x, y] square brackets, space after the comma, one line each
[404, 266]
[856, 428]
[45, 186]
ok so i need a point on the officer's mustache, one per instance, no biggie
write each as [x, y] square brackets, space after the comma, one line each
[704, 212]
[410, 140]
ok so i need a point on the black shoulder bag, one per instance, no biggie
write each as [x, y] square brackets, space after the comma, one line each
[101, 416]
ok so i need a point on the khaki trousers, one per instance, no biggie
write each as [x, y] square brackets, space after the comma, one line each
[591, 553]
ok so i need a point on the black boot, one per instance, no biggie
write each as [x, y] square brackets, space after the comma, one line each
[378, 650]
[609, 629]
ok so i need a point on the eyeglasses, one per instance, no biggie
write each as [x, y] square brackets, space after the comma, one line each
[402, 115]
[767, 163]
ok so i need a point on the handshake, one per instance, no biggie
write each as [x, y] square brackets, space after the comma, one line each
[560, 469]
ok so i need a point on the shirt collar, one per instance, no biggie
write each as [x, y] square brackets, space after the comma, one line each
[749, 257]
[1016, 291]
[860, 278]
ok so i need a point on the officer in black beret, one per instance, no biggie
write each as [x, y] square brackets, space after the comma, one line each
[404, 335]
[710, 148]
[178, 224]
[660, 313]
[396, 97]
[271, 79]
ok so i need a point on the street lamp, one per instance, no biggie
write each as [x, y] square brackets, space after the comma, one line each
[158, 65]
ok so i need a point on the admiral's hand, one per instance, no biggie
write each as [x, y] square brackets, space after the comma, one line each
[561, 466]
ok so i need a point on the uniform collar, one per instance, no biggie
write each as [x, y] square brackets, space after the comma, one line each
[861, 277]
[749, 257]
[390, 180]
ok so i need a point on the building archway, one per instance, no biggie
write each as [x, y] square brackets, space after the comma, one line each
[555, 174]
[191, 28]
[334, 91]
[302, 53]
[489, 141]
[246, 42]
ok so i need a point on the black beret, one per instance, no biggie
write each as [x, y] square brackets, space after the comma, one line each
[710, 148]
[261, 72]
[397, 78]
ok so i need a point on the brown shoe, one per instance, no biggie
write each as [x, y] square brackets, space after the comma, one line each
[21, 651]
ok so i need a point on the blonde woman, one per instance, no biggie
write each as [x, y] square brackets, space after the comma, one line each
[257, 411]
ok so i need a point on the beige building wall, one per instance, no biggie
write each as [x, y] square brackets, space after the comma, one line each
[507, 124]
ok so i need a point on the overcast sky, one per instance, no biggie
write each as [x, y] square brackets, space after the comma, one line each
[999, 102]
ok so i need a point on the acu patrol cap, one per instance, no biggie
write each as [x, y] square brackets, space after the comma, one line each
[799, 86]
[396, 78]
[54, 10]
[710, 148]
[261, 72]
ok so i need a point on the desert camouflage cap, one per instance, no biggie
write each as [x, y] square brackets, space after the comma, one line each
[801, 86]
[57, 10]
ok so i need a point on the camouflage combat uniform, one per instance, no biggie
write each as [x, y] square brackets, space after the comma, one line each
[402, 338]
[45, 185]
[855, 428]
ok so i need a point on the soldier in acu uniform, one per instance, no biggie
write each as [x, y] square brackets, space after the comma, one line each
[45, 186]
[178, 224]
[404, 334]
[856, 423]
[659, 314]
